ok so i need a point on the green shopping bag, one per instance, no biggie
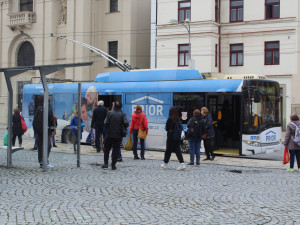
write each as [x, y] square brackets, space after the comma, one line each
[5, 139]
[129, 144]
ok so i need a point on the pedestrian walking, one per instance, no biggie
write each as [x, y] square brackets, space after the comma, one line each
[99, 115]
[289, 142]
[196, 129]
[74, 130]
[115, 123]
[38, 129]
[17, 130]
[138, 121]
[172, 144]
[209, 134]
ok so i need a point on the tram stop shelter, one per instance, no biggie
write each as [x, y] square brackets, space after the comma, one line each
[44, 71]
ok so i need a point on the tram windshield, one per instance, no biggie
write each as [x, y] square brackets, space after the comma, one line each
[261, 106]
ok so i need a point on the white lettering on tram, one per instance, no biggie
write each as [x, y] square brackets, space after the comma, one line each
[152, 110]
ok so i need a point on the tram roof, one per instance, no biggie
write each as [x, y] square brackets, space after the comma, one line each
[149, 75]
[217, 86]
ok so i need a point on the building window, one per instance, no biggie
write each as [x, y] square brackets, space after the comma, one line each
[183, 54]
[26, 5]
[236, 55]
[26, 55]
[113, 5]
[236, 10]
[113, 50]
[216, 10]
[272, 53]
[184, 11]
[272, 9]
[216, 55]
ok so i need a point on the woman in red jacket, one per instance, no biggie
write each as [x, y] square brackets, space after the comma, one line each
[138, 120]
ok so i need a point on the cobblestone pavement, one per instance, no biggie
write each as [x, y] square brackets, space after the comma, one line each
[140, 192]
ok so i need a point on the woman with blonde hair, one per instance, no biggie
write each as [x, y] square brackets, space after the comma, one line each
[138, 120]
[17, 127]
[209, 134]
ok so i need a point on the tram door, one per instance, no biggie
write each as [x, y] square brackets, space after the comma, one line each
[226, 114]
[109, 99]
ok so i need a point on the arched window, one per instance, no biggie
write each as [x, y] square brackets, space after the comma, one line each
[26, 56]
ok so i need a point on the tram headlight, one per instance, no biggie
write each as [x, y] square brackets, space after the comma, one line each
[254, 143]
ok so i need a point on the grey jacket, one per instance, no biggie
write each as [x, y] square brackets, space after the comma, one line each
[290, 132]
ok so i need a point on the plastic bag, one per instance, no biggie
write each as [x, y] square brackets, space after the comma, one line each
[129, 144]
[286, 156]
[5, 139]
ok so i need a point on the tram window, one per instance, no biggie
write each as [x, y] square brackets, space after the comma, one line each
[188, 102]
[109, 99]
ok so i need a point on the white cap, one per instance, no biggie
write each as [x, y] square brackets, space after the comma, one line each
[101, 103]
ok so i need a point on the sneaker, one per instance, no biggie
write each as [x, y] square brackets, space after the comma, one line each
[181, 167]
[50, 166]
[164, 166]
[299, 170]
[105, 166]
[113, 167]
[290, 169]
[190, 164]
[54, 146]
[198, 164]
[206, 159]
[136, 157]
[142, 158]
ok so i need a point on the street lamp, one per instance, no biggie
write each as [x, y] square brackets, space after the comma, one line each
[187, 26]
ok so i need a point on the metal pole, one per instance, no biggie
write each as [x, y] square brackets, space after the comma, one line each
[45, 123]
[79, 125]
[9, 122]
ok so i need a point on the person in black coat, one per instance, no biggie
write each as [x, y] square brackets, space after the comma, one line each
[209, 134]
[17, 130]
[172, 145]
[114, 123]
[99, 115]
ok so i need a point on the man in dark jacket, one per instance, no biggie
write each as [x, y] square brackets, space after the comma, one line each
[115, 123]
[38, 128]
[99, 115]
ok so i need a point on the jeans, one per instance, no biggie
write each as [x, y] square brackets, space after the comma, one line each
[194, 146]
[111, 143]
[135, 142]
[74, 140]
[98, 131]
[294, 153]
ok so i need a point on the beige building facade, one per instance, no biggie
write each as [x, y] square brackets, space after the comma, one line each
[231, 37]
[118, 27]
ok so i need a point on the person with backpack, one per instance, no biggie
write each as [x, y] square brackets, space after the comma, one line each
[116, 124]
[17, 130]
[38, 128]
[138, 121]
[74, 129]
[174, 129]
[292, 141]
[209, 134]
[196, 129]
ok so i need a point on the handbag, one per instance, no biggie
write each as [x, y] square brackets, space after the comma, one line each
[23, 124]
[129, 144]
[286, 156]
[142, 133]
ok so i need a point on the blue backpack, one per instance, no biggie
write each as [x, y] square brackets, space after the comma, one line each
[177, 132]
